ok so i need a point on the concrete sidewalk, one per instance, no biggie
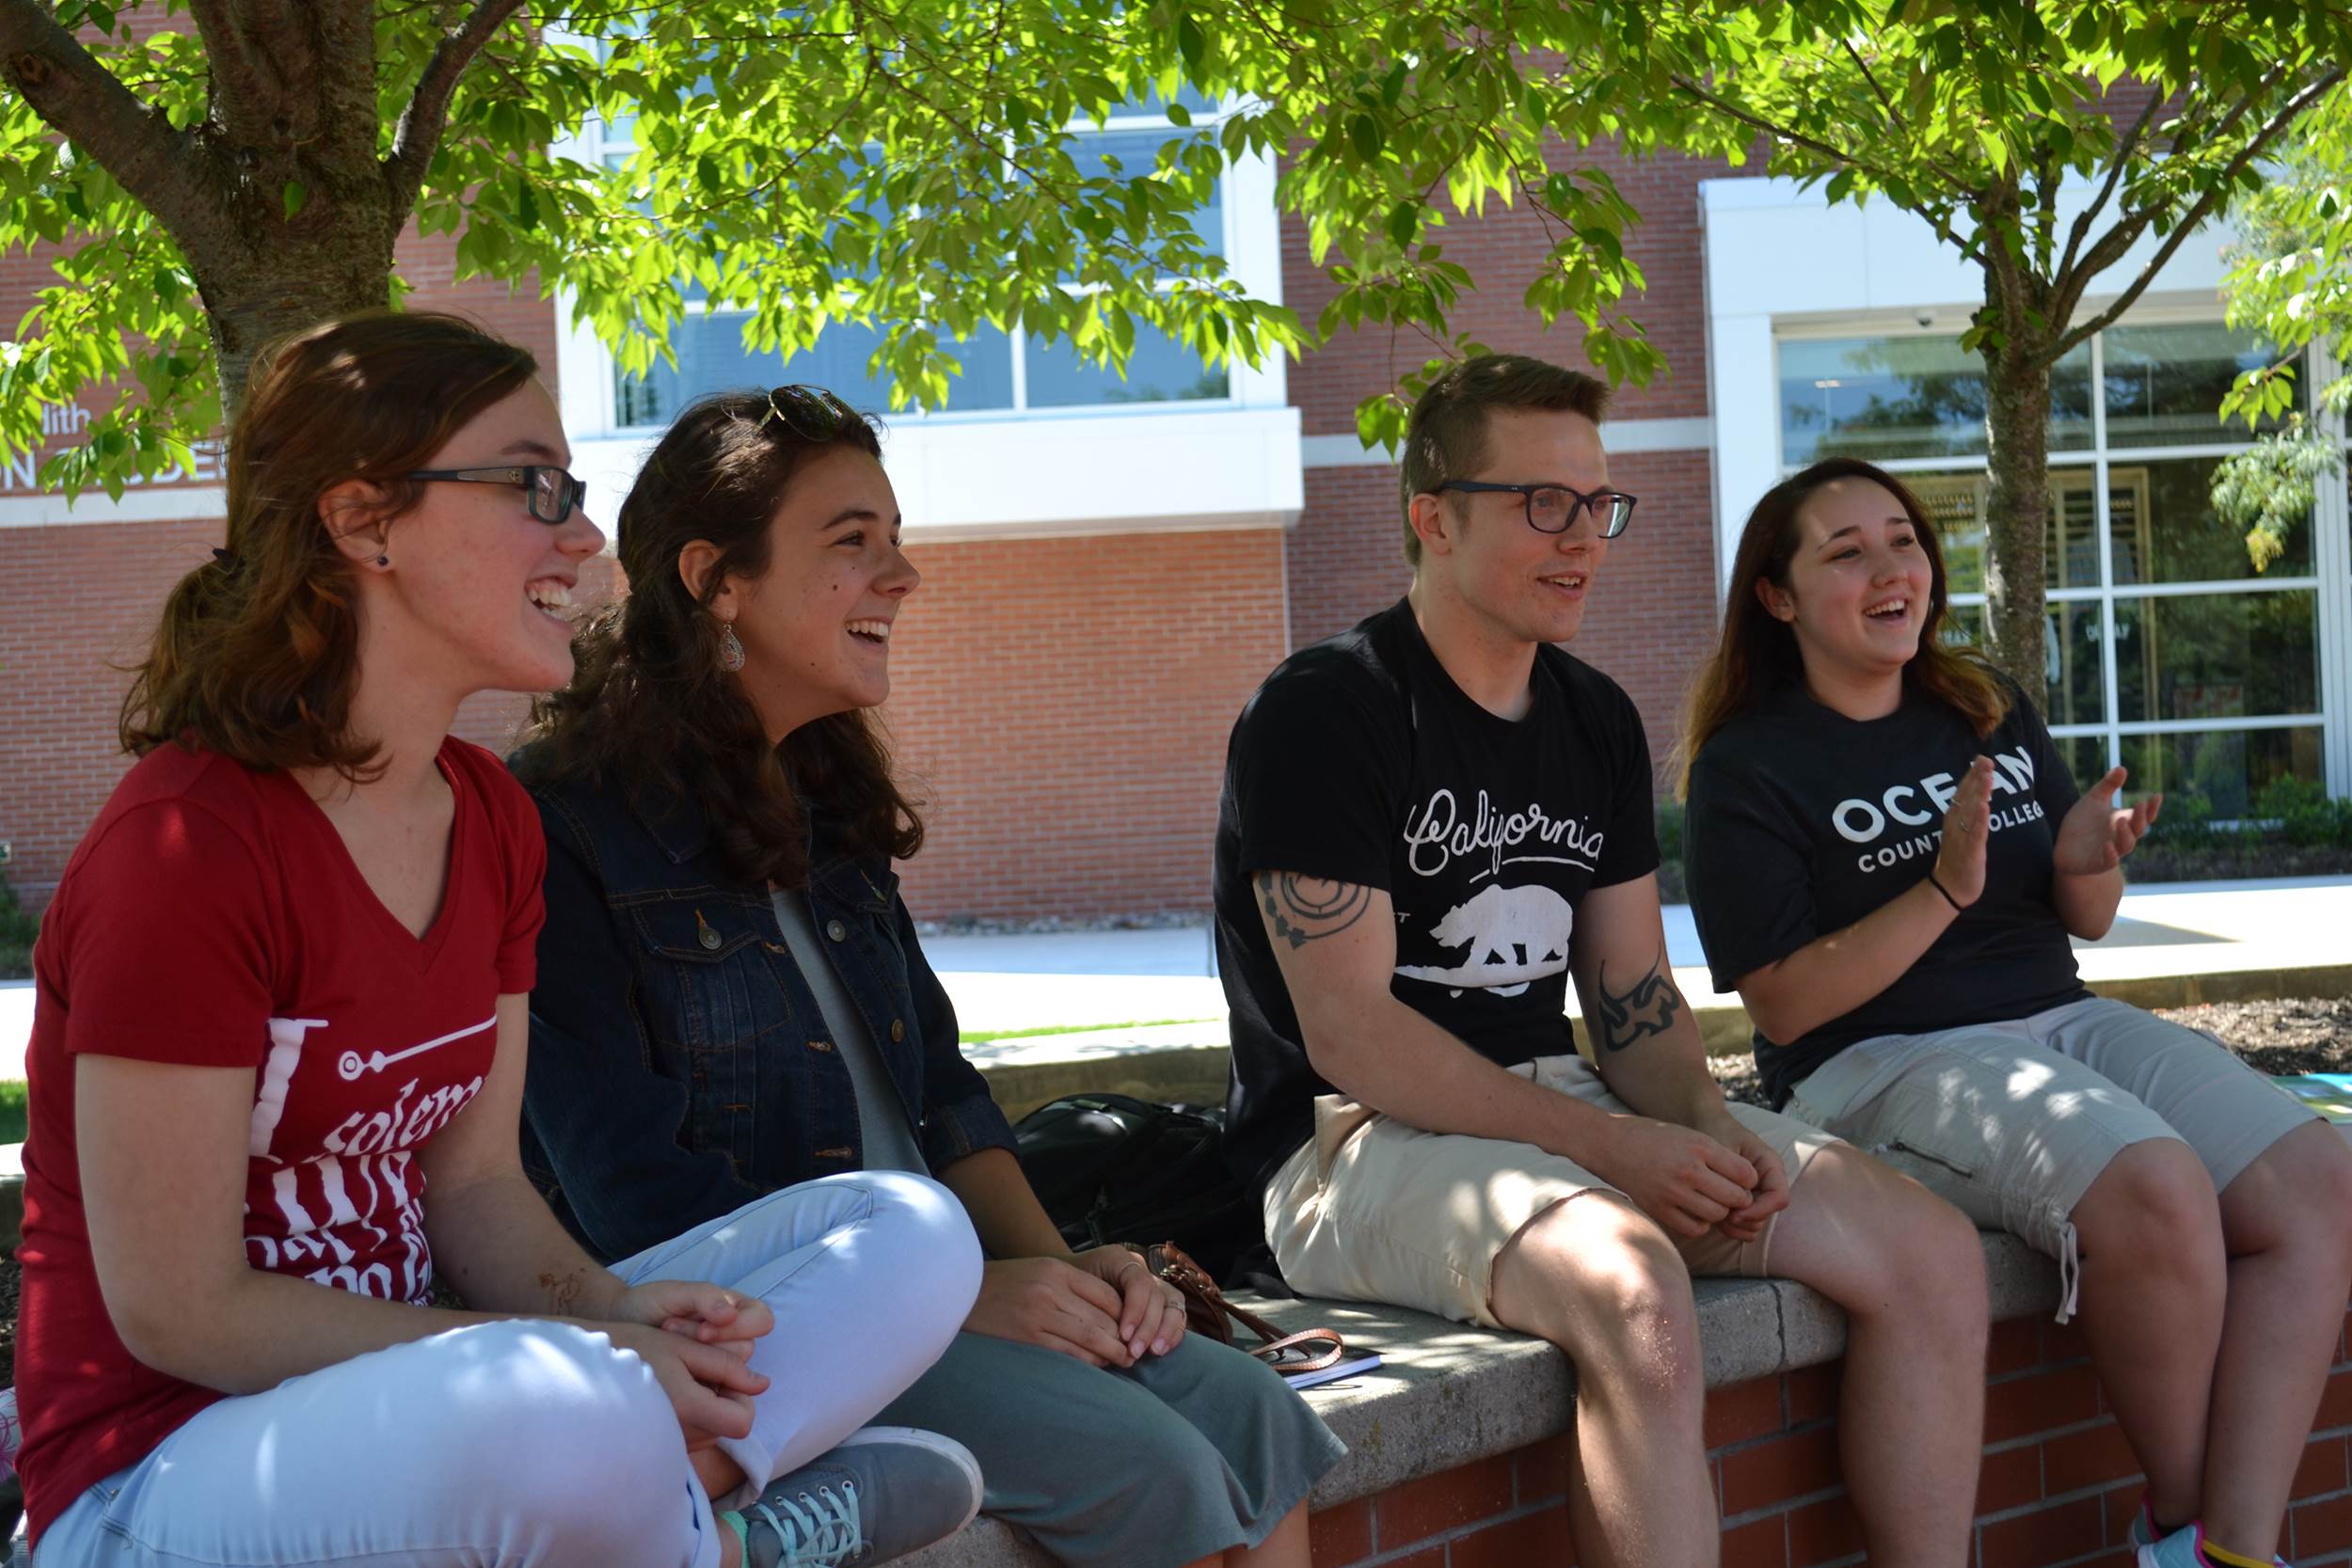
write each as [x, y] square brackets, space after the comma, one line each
[1110, 982]
[1127, 977]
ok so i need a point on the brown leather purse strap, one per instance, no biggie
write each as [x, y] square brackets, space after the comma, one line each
[1287, 1352]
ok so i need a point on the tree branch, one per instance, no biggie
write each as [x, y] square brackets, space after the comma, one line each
[2106, 188]
[427, 115]
[80, 99]
[1757, 122]
[2189, 221]
[1893, 119]
[338, 38]
[245, 95]
[1836, 156]
[277, 38]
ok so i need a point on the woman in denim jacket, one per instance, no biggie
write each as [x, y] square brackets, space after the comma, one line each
[733, 998]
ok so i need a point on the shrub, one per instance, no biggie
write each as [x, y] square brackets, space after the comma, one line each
[17, 930]
[1670, 830]
[2308, 816]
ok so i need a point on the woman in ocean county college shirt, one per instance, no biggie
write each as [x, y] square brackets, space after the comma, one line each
[278, 1046]
[1887, 860]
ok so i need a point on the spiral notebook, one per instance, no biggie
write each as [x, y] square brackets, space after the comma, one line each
[1347, 1368]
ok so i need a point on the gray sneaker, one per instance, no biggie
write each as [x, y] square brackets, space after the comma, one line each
[884, 1493]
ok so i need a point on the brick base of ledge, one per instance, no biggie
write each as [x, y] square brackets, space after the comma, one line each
[2058, 1489]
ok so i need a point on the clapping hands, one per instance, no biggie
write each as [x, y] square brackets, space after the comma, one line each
[2097, 834]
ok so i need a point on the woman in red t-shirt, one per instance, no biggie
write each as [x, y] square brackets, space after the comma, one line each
[277, 1044]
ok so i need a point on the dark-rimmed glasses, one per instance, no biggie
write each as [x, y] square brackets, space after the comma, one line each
[811, 413]
[1554, 508]
[551, 493]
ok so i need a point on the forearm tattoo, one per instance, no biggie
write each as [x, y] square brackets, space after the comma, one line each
[1630, 1017]
[564, 1292]
[1300, 909]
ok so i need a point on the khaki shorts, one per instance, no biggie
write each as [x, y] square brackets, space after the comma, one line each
[1373, 1210]
[2013, 1122]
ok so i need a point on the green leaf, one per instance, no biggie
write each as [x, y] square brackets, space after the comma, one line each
[1405, 221]
[294, 196]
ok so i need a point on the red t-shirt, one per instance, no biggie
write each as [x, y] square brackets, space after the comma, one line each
[212, 917]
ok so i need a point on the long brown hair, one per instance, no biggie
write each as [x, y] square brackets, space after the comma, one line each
[649, 704]
[256, 653]
[1757, 653]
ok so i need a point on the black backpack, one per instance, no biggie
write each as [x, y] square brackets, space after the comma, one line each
[1111, 1168]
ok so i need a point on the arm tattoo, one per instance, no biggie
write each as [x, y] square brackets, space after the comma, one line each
[1648, 1008]
[563, 1293]
[1300, 909]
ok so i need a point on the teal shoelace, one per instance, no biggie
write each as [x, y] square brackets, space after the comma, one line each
[825, 1534]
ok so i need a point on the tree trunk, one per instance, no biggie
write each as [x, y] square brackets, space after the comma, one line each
[2017, 512]
[263, 275]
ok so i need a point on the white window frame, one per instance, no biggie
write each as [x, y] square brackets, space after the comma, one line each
[1195, 464]
[1016, 342]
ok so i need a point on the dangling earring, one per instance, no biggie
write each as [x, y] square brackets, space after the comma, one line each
[730, 647]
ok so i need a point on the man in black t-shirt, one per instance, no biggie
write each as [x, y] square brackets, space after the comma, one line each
[1431, 824]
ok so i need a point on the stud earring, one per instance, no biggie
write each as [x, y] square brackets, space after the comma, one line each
[383, 561]
[730, 647]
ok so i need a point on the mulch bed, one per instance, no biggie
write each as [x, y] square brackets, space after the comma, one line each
[2298, 1035]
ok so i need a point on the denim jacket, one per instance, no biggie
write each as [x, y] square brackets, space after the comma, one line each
[679, 1064]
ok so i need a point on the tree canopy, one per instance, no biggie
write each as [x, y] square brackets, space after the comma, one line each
[2291, 279]
[909, 163]
[2041, 141]
[210, 172]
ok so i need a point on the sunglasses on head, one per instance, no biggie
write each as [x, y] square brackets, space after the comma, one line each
[811, 413]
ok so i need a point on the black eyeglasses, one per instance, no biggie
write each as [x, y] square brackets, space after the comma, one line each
[811, 413]
[1554, 508]
[551, 493]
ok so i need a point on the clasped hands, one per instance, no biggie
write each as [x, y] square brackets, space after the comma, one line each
[1717, 1176]
[697, 1338]
[1101, 1305]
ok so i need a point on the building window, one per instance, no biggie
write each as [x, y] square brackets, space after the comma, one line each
[2166, 651]
[1001, 373]
[1882, 398]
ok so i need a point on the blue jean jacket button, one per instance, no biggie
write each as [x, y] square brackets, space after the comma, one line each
[834, 929]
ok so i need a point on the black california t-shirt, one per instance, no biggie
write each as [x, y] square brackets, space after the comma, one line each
[1360, 761]
[1802, 820]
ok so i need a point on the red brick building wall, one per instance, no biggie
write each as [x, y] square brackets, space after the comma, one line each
[1064, 704]
[1503, 251]
[2058, 1488]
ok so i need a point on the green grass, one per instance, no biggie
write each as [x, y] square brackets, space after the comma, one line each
[11, 1113]
[971, 1038]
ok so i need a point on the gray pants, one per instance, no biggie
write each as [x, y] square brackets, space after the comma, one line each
[1163, 1463]
[2013, 1121]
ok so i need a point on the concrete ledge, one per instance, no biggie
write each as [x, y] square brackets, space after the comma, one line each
[1449, 1394]
[1187, 1061]
[2227, 985]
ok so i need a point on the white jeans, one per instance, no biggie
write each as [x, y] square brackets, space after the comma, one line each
[536, 1443]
